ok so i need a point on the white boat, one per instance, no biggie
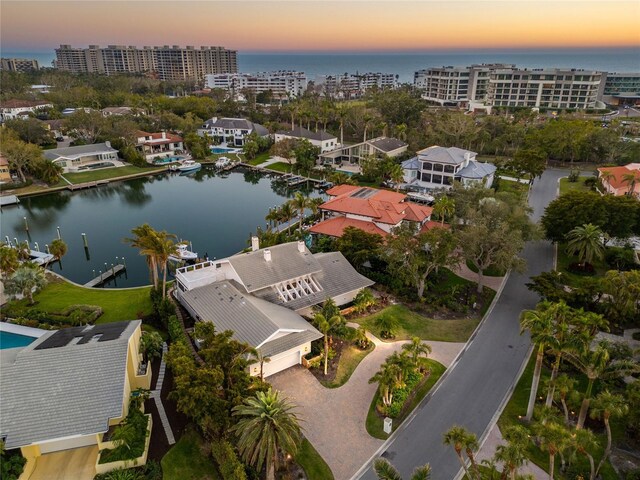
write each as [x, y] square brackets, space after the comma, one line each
[223, 162]
[420, 197]
[189, 165]
[183, 254]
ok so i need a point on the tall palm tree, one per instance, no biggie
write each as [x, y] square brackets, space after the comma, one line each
[300, 203]
[459, 438]
[267, 425]
[286, 212]
[386, 471]
[630, 179]
[584, 441]
[326, 325]
[608, 405]
[586, 243]
[607, 176]
[512, 456]
[539, 322]
[144, 240]
[554, 438]
[273, 217]
[164, 247]
[26, 279]
[416, 348]
[444, 207]
[597, 364]
[396, 175]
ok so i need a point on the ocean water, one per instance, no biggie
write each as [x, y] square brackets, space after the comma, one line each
[404, 64]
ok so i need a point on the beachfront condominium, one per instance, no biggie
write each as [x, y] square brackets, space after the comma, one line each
[621, 89]
[21, 65]
[282, 84]
[169, 63]
[354, 85]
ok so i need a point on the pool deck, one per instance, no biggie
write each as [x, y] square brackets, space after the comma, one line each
[22, 330]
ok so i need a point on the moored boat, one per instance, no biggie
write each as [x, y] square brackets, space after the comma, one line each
[189, 165]
[183, 254]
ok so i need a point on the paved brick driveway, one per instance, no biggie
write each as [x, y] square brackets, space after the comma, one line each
[334, 418]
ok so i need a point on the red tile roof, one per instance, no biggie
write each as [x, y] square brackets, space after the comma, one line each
[616, 181]
[170, 137]
[432, 224]
[334, 227]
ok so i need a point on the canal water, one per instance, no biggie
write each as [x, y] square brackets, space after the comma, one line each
[216, 212]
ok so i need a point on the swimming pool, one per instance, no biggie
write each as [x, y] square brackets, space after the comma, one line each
[161, 161]
[12, 340]
[224, 150]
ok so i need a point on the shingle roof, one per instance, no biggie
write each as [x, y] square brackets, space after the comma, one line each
[335, 227]
[452, 155]
[476, 170]
[286, 263]
[388, 144]
[301, 132]
[78, 151]
[253, 320]
[14, 103]
[58, 392]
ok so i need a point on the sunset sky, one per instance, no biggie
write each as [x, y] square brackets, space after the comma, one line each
[322, 25]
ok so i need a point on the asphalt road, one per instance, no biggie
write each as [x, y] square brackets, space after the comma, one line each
[472, 392]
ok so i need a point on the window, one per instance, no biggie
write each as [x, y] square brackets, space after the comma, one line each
[426, 177]
[437, 167]
[449, 168]
[427, 166]
[436, 179]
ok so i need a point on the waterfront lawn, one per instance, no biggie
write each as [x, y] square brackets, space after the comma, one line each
[413, 324]
[189, 459]
[260, 158]
[117, 304]
[567, 186]
[350, 358]
[312, 463]
[108, 173]
[375, 422]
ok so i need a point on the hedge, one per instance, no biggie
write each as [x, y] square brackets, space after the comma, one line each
[228, 464]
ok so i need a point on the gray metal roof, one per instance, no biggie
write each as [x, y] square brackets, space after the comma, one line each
[411, 164]
[476, 170]
[78, 151]
[451, 155]
[288, 342]
[301, 132]
[252, 320]
[286, 263]
[388, 144]
[337, 277]
[62, 391]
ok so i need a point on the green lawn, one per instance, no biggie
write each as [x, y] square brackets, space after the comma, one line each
[374, 422]
[513, 187]
[117, 304]
[108, 173]
[260, 158]
[189, 460]
[280, 167]
[413, 324]
[567, 186]
[349, 359]
[313, 464]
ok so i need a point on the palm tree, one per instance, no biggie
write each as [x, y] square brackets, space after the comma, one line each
[512, 456]
[364, 300]
[300, 203]
[387, 324]
[444, 207]
[273, 217]
[26, 278]
[396, 175]
[607, 176]
[404, 364]
[630, 179]
[164, 247]
[608, 405]
[539, 322]
[583, 441]
[144, 240]
[8, 260]
[401, 131]
[554, 438]
[326, 326]
[460, 438]
[386, 379]
[341, 178]
[361, 339]
[416, 348]
[564, 385]
[286, 212]
[386, 471]
[267, 425]
[597, 364]
[586, 243]
[261, 359]
[58, 249]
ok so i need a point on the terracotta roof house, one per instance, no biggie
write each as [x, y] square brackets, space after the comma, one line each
[380, 146]
[5, 175]
[155, 146]
[370, 209]
[259, 295]
[617, 180]
[231, 132]
[323, 140]
[12, 109]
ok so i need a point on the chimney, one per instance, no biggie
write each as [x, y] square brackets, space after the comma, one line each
[467, 155]
[164, 135]
[108, 143]
[301, 246]
[255, 244]
[267, 255]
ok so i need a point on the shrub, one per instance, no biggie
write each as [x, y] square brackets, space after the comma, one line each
[72, 316]
[400, 395]
[15, 186]
[574, 175]
[11, 464]
[130, 436]
[228, 464]
[621, 258]
[581, 268]
[176, 333]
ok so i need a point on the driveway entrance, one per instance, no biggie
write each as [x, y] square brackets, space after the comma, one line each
[77, 463]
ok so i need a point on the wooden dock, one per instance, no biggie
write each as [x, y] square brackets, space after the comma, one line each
[9, 200]
[80, 186]
[103, 277]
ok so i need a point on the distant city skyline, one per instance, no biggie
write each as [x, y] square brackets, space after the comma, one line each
[322, 26]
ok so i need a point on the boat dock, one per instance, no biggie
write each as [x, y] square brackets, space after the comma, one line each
[40, 258]
[103, 277]
[6, 200]
[80, 186]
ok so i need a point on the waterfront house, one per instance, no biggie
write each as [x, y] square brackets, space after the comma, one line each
[82, 157]
[12, 109]
[63, 394]
[438, 167]
[369, 209]
[323, 140]
[617, 180]
[231, 132]
[260, 296]
[376, 147]
[158, 145]
[5, 174]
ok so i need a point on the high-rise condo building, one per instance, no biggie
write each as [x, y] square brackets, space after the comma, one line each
[22, 65]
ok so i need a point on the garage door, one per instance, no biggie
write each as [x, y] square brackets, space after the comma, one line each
[277, 364]
[68, 444]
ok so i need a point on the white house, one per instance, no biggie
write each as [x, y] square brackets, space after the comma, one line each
[160, 144]
[81, 157]
[12, 109]
[323, 140]
[258, 295]
[231, 132]
[437, 167]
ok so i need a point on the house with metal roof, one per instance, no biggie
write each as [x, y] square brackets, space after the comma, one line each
[68, 388]
[321, 139]
[438, 167]
[377, 147]
[369, 209]
[82, 157]
[260, 296]
[231, 132]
